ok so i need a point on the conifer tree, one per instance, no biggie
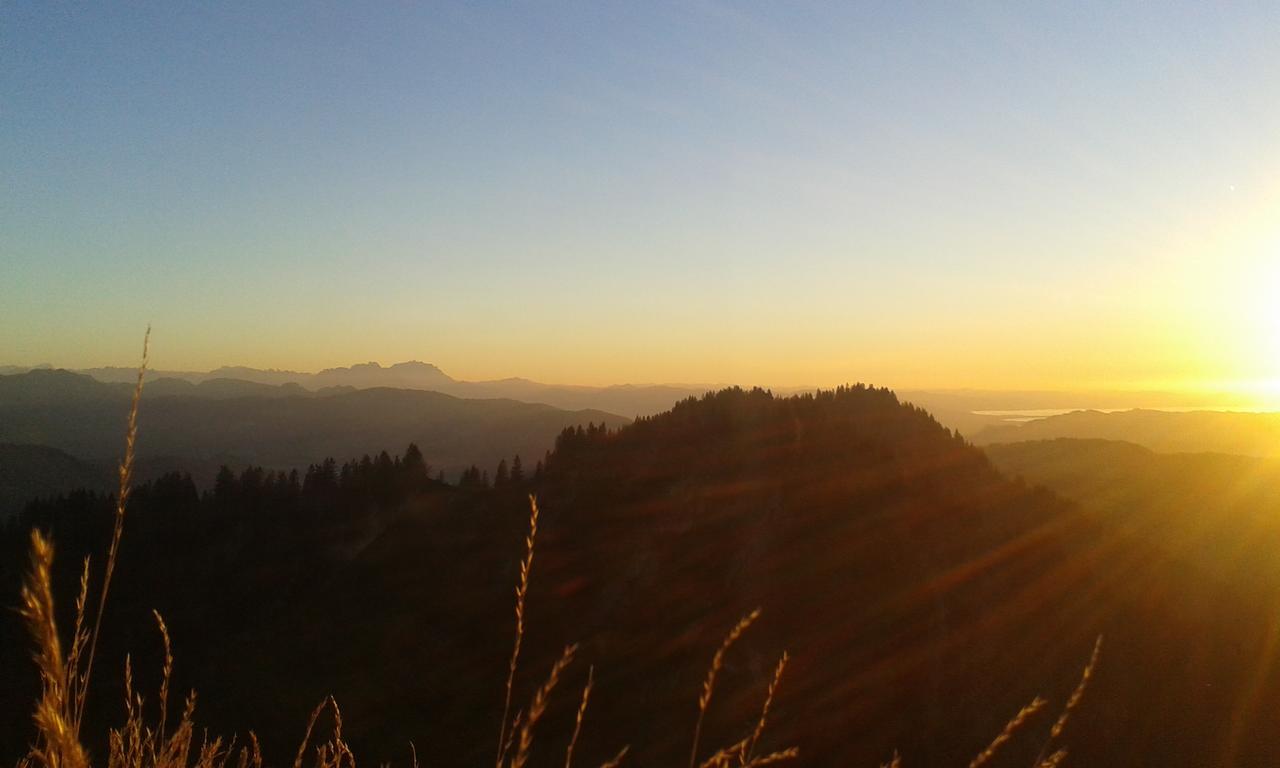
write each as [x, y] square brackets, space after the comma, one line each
[413, 463]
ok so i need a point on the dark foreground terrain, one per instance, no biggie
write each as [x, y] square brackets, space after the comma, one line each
[924, 598]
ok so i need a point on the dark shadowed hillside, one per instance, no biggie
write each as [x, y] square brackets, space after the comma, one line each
[1217, 511]
[922, 595]
[28, 471]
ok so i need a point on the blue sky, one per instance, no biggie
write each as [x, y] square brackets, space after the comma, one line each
[1068, 194]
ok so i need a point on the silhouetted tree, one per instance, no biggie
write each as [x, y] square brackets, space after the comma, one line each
[414, 464]
[471, 478]
[226, 489]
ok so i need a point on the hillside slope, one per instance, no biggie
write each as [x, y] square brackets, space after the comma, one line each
[1217, 512]
[28, 471]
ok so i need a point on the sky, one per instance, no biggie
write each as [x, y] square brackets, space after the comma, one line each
[1059, 195]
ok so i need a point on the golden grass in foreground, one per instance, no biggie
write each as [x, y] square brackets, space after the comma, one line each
[577, 721]
[65, 680]
[141, 743]
[522, 589]
[59, 711]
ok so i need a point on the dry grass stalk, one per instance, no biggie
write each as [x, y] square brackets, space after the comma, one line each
[139, 745]
[65, 679]
[522, 589]
[577, 722]
[57, 743]
[726, 755]
[306, 736]
[1054, 760]
[166, 673]
[774, 757]
[332, 754]
[125, 476]
[617, 759]
[1024, 715]
[516, 722]
[1072, 703]
[709, 685]
[78, 635]
[764, 710]
[539, 705]
[335, 753]
[1078, 693]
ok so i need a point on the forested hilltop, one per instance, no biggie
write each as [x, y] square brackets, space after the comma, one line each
[923, 597]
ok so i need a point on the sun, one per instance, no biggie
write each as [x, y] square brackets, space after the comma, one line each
[1237, 341]
[1269, 312]
[1265, 318]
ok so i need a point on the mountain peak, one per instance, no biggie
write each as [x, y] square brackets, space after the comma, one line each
[372, 365]
[416, 365]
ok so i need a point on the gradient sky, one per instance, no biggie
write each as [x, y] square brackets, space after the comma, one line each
[1070, 195]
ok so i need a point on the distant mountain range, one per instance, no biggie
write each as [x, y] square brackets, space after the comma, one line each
[969, 410]
[197, 426]
[625, 399]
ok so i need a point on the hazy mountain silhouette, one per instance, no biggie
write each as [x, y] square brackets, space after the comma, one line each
[626, 399]
[956, 408]
[1250, 434]
[410, 375]
[223, 388]
[228, 421]
[9, 370]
